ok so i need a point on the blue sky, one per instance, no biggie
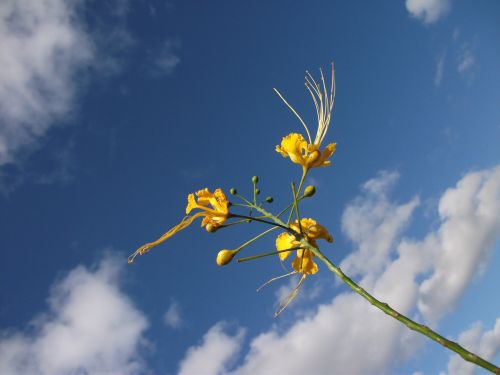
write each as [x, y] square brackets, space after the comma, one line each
[111, 112]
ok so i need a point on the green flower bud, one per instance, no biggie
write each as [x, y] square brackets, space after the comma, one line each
[309, 191]
[257, 191]
[269, 199]
[233, 191]
[255, 179]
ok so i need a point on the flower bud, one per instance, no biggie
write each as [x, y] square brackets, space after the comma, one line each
[257, 191]
[225, 256]
[309, 191]
[255, 179]
[211, 228]
[269, 199]
[233, 191]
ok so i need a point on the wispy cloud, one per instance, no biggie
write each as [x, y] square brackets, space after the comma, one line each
[44, 46]
[466, 60]
[402, 272]
[486, 344]
[91, 327]
[166, 58]
[173, 316]
[428, 11]
[438, 77]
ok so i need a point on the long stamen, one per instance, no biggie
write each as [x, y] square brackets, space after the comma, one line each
[295, 113]
[316, 105]
[183, 224]
[274, 279]
[319, 106]
[321, 110]
[291, 296]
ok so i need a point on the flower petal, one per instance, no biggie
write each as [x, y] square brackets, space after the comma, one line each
[191, 203]
[305, 264]
[285, 241]
[293, 146]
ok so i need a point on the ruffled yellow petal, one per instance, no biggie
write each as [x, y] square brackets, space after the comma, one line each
[204, 196]
[220, 201]
[293, 146]
[191, 204]
[304, 263]
[285, 241]
[325, 154]
[312, 229]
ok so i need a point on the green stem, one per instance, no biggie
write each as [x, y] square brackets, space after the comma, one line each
[276, 219]
[424, 330]
[258, 256]
[304, 173]
[296, 205]
[255, 238]
[277, 223]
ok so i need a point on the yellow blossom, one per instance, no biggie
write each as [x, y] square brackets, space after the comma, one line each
[312, 229]
[213, 208]
[294, 145]
[303, 261]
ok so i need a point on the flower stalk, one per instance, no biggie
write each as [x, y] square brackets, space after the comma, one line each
[411, 324]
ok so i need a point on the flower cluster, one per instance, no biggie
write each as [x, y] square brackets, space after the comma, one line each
[300, 235]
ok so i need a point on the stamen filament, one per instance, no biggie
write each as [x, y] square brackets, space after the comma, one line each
[274, 279]
[255, 238]
[291, 296]
[296, 114]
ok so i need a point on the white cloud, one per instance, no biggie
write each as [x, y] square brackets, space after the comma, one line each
[166, 58]
[438, 78]
[466, 60]
[428, 11]
[485, 344]
[470, 225]
[373, 223]
[91, 328]
[173, 316]
[329, 339]
[214, 354]
[43, 47]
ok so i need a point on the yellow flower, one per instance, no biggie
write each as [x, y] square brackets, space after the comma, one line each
[213, 208]
[308, 153]
[304, 259]
[303, 262]
[214, 216]
[312, 229]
